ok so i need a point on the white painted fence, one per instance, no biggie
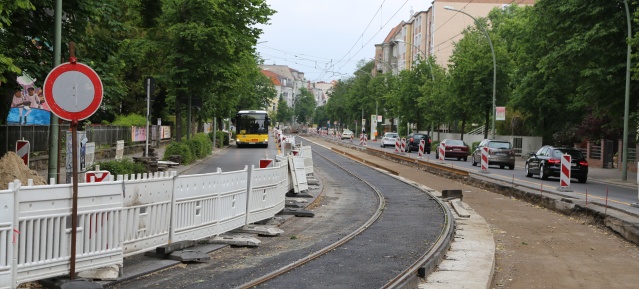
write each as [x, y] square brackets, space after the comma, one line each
[128, 216]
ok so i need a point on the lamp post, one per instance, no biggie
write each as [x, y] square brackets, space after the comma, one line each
[624, 156]
[492, 49]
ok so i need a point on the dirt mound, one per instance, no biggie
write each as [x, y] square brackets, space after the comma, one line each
[12, 167]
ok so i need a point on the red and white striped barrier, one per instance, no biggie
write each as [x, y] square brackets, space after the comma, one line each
[442, 153]
[422, 145]
[402, 147]
[564, 177]
[397, 145]
[484, 160]
[365, 139]
[22, 150]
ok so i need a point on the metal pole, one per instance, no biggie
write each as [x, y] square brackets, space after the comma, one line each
[624, 156]
[54, 126]
[148, 107]
[492, 49]
[74, 213]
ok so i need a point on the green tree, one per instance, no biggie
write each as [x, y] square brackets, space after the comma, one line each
[284, 112]
[304, 106]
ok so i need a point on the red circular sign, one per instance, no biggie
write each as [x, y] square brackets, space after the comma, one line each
[73, 91]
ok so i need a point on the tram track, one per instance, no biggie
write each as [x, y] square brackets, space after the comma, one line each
[301, 262]
[423, 250]
[371, 230]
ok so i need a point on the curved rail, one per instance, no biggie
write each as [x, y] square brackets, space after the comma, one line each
[300, 262]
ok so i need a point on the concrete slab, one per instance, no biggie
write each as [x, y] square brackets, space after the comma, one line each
[260, 230]
[104, 273]
[235, 240]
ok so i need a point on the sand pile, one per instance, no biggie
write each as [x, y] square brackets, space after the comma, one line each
[12, 167]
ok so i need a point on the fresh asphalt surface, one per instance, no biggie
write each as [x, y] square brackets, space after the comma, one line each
[410, 223]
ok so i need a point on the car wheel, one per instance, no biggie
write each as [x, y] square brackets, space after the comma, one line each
[511, 167]
[542, 173]
[501, 167]
[582, 180]
[459, 159]
[528, 173]
[465, 159]
[474, 162]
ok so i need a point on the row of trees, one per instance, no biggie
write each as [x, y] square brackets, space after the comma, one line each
[201, 52]
[560, 73]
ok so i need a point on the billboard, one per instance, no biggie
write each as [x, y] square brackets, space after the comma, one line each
[28, 106]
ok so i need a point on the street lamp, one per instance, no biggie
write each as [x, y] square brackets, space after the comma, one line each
[624, 156]
[494, 63]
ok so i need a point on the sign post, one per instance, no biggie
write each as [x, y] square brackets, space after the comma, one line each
[74, 92]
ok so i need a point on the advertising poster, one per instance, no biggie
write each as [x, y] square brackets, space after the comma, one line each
[500, 113]
[28, 106]
[138, 133]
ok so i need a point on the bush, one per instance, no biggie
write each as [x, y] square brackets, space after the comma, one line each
[121, 167]
[181, 149]
[200, 145]
[130, 120]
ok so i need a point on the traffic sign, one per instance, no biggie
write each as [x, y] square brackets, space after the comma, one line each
[73, 91]
[22, 150]
[97, 176]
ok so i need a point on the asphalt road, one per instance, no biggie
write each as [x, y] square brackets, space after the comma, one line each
[597, 190]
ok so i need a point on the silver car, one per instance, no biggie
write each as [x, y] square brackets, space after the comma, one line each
[500, 153]
[389, 139]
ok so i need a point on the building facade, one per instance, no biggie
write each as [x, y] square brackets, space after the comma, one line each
[432, 32]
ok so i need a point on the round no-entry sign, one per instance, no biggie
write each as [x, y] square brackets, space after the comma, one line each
[73, 91]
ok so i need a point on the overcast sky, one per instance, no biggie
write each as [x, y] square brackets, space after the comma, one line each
[326, 39]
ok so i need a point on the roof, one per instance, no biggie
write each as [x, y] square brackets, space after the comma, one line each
[275, 78]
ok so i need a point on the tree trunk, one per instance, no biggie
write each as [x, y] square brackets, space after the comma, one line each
[463, 126]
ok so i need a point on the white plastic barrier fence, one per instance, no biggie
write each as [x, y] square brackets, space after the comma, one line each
[44, 238]
[128, 216]
[307, 154]
[7, 235]
[146, 215]
[208, 204]
[267, 192]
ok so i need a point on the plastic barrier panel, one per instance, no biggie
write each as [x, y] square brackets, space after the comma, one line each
[268, 189]
[208, 204]
[146, 216]
[44, 223]
[7, 236]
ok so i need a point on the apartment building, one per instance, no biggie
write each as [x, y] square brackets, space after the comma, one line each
[291, 81]
[432, 32]
[321, 91]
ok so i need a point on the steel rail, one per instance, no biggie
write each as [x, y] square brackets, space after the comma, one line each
[300, 262]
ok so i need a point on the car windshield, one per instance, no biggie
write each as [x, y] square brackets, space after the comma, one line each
[499, 145]
[574, 154]
[454, 142]
[392, 135]
[419, 136]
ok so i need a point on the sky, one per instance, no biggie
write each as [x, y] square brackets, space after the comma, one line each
[326, 39]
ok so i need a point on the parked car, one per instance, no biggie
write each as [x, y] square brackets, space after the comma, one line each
[453, 149]
[347, 134]
[546, 162]
[389, 139]
[500, 153]
[413, 140]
